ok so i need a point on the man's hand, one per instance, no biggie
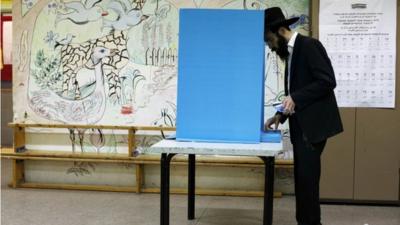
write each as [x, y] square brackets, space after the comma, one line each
[288, 105]
[273, 120]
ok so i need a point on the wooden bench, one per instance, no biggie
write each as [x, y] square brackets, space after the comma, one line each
[18, 159]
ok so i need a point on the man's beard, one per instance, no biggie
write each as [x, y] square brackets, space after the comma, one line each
[282, 50]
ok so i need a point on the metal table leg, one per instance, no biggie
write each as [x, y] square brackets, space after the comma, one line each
[268, 189]
[191, 186]
[164, 187]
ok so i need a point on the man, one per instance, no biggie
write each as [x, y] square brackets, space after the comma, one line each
[310, 105]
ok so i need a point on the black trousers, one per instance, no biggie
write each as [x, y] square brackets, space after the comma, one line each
[307, 172]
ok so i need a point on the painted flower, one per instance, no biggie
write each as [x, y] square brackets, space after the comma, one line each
[51, 38]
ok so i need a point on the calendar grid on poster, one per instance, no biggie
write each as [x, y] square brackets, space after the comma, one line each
[361, 45]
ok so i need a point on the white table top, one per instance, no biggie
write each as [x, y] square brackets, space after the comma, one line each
[208, 148]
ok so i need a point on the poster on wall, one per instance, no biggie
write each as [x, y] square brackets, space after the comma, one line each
[6, 47]
[113, 62]
[360, 38]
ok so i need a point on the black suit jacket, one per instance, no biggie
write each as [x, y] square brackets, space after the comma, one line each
[312, 81]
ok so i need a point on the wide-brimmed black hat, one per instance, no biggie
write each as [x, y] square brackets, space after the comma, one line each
[274, 18]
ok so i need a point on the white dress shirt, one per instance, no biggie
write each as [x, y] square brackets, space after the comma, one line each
[290, 46]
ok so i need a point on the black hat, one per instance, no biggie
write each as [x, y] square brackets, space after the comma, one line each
[274, 18]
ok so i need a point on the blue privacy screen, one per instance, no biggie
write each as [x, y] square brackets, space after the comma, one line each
[220, 75]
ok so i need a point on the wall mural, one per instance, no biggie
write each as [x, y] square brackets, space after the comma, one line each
[112, 63]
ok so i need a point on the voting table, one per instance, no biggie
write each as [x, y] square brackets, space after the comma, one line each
[220, 80]
[170, 148]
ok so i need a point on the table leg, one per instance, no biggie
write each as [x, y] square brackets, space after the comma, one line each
[268, 190]
[164, 187]
[191, 186]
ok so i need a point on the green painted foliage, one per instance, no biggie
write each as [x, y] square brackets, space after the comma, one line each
[46, 73]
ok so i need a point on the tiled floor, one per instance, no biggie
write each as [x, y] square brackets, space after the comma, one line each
[53, 207]
[56, 207]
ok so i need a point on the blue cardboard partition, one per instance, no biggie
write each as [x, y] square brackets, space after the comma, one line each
[220, 75]
[271, 136]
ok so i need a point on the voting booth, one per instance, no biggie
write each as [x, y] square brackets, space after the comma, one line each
[221, 76]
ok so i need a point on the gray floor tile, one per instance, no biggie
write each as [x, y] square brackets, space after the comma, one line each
[58, 207]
